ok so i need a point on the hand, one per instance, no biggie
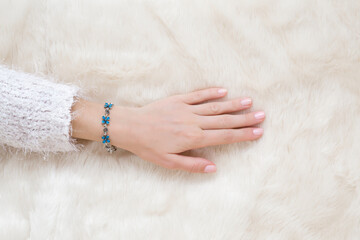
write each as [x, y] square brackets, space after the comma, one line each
[159, 131]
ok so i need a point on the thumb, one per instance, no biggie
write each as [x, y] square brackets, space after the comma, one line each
[191, 164]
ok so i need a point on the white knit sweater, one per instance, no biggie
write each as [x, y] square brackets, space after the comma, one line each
[36, 113]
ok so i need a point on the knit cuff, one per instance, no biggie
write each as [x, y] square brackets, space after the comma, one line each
[37, 113]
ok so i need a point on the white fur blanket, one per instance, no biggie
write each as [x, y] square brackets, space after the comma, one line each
[298, 60]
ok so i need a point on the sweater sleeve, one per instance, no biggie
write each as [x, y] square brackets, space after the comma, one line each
[36, 113]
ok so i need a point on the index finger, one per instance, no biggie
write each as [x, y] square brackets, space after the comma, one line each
[202, 95]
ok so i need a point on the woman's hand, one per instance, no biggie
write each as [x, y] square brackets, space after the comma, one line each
[159, 131]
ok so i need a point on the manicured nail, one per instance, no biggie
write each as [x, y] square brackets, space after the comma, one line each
[259, 115]
[222, 90]
[246, 102]
[210, 168]
[258, 131]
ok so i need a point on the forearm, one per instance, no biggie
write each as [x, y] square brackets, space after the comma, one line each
[87, 122]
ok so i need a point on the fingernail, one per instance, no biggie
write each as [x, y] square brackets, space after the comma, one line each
[210, 168]
[246, 102]
[259, 115]
[258, 131]
[222, 90]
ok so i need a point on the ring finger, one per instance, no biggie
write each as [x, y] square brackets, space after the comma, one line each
[227, 136]
[226, 121]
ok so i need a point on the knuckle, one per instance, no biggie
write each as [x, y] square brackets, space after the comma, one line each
[243, 119]
[234, 104]
[215, 108]
[197, 95]
[194, 167]
[245, 134]
[193, 135]
[178, 131]
[183, 97]
[224, 121]
[229, 136]
[250, 117]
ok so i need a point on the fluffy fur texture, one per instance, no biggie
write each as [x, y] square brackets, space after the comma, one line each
[298, 60]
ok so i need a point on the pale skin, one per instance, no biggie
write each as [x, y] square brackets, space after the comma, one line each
[160, 131]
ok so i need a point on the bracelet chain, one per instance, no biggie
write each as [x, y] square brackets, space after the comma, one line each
[105, 122]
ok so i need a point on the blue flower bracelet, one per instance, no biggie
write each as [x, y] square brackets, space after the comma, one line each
[105, 122]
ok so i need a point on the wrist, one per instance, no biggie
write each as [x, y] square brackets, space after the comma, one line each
[87, 122]
[120, 127]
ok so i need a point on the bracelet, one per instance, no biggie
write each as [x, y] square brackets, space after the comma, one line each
[105, 121]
